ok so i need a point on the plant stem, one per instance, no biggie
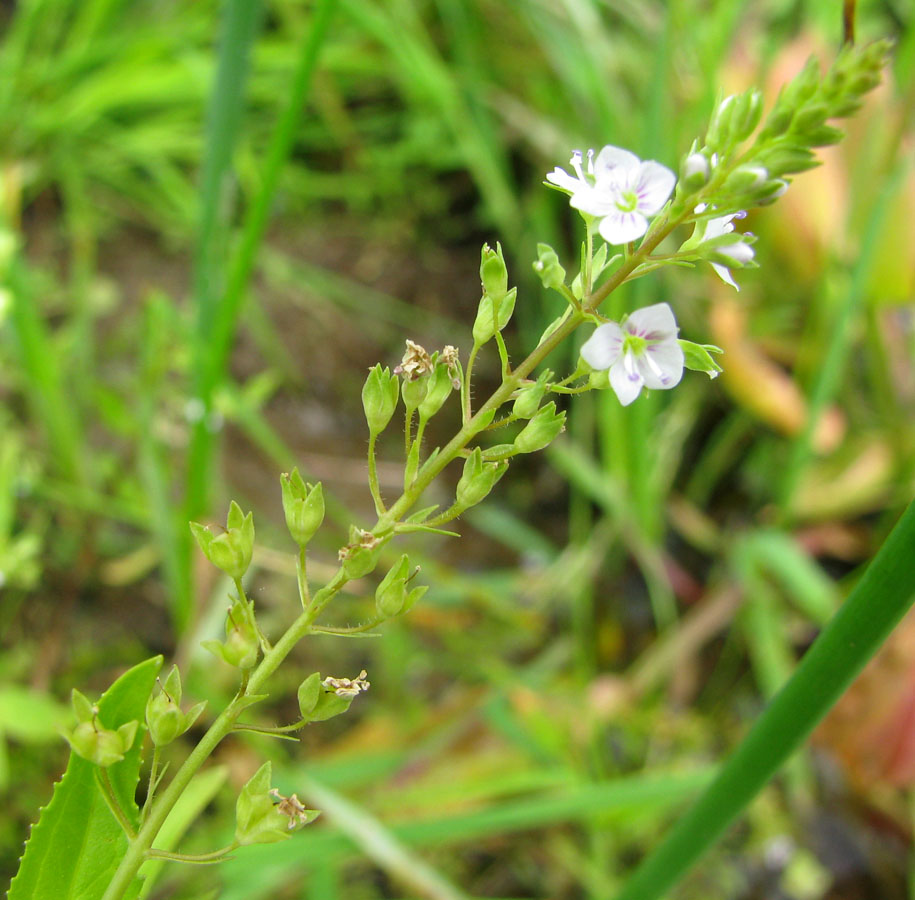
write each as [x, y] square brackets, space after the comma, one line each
[204, 858]
[113, 804]
[153, 783]
[374, 487]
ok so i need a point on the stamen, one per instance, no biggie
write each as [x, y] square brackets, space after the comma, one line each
[575, 163]
[655, 367]
[591, 161]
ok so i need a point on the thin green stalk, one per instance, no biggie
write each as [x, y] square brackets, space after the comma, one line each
[302, 578]
[153, 781]
[881, 599]
[112, 800]
[214, 856]
[374, 487]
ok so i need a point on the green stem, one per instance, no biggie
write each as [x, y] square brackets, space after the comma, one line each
[203, 858]
[302, 578]
[374, 487]
[873, 609]
[113, 804]
[467, 384]
[153, 782]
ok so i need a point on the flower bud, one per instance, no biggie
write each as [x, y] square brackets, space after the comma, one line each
[694, 172]
[391, 593]
[260, 820]
[528, 400]
[163, 712]
[242, 643]
[493, 272]
[541, 430]
[232, 550]
[778, 121]
[483, 329]
[745, 178]
[786, 160]
[746, 115]
[303, 505]
[478, 479]
[547, 267]
[379, 398]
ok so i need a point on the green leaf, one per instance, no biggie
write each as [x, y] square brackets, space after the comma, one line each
[77, 843]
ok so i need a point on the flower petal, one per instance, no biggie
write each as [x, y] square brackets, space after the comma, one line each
[622, 227]
[724, 273]
[654, 323]
[627, 386]
[661, 365]
[564, 180]
[603, 348]
[592, 201]
[653, 186]
[611, 158]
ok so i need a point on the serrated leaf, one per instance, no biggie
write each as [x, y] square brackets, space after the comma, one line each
[76, 845]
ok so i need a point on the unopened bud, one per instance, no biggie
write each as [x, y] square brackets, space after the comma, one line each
[528, 400]
[547, 267]
[541, 431]
[694, 172]
[493, 272]
[379, 398]
[478, 479]
[303, 505]
[391, 594]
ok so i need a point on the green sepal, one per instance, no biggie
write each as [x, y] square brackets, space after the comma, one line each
[698, 358]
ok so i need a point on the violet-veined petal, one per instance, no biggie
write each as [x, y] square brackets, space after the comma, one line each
[627, 385]
[619, 227]
[653, 186]
[661, 365]
[603, 348]
[614, 158]
[655, 322]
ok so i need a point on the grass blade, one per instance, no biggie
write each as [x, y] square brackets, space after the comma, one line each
[880, 600]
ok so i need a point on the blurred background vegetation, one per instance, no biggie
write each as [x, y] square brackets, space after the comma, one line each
[216, 216]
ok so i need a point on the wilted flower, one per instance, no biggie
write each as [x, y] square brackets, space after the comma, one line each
[643, 351]
[347, 687]
[619, 189]
[415, 363]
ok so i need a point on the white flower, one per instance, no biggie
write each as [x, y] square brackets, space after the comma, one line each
[619, 189]
[642, 352]
[740, 253]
